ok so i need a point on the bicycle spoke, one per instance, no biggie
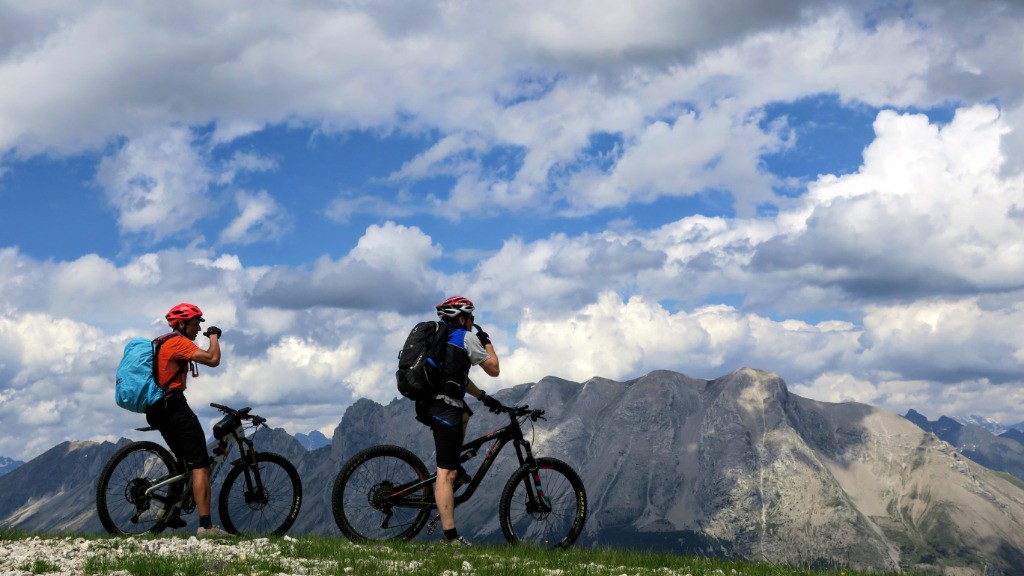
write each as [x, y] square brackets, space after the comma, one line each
[378, 470]
[362, 507]
[265, 508]
[552, 515]
[124, 500]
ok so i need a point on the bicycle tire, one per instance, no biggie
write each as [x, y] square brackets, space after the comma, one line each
[563, 488]
[120, 502]
[363, 476]
[270, 512]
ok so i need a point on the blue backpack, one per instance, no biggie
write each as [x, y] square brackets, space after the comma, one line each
[137, 387]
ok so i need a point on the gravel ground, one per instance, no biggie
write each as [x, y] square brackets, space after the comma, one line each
[68, 555]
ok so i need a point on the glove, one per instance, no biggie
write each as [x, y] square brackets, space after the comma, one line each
[484, 338]
[212, 331]
[491, 403]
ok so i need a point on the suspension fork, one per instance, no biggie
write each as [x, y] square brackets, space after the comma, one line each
[250, 471]
[538, 501]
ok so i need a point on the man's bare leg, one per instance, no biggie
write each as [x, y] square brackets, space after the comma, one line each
[201, 490]
[444, 496]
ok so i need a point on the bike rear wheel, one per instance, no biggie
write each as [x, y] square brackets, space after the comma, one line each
[360, 500]
[121, 500]
[545, 507]
[268, 507]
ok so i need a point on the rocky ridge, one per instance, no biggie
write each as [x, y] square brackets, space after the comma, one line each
[1002, 453]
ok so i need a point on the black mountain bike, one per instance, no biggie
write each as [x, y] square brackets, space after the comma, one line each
[142, 486]
[386, 493]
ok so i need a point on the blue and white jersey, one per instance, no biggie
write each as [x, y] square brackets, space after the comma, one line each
[464, 351]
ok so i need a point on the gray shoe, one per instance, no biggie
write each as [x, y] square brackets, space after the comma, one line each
[213, 532]
[455, 542]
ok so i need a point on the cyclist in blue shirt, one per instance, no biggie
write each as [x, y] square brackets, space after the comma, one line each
[447, 414]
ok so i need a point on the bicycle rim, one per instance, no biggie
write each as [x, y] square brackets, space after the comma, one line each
[358, 499]
[552, 516]
[121, 500]
[267, 508]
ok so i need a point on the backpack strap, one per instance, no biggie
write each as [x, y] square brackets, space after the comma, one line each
[158, 342]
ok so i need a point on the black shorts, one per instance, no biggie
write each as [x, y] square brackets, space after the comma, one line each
[445, 421]
[181, 430]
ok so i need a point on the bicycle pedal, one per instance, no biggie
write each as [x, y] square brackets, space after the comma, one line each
[176, 522]
[432, 525]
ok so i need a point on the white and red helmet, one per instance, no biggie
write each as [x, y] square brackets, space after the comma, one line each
[454, 307]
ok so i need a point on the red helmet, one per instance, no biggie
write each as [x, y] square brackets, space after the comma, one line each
[183, 313]
[454, 306]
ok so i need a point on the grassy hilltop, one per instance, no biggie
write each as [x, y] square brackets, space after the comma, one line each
[22, 553]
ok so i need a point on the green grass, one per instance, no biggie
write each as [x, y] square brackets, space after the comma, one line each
[176, 556]
[6, 535]
[39, 566]
[1011, 479]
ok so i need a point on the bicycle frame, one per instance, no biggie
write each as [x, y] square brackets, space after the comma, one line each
[404, 495]
[221, 449]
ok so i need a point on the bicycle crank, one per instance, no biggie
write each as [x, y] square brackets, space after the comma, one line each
[433, 525]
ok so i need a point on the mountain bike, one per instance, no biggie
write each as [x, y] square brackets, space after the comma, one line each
[385, 493]
[143, 487]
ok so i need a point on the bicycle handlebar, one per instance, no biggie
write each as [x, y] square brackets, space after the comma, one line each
[524, 410]
[242, 414]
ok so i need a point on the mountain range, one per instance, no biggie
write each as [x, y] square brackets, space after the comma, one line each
[8, 464]
[1003, 453]
[736, 466]
[994, 426]
[313, 441]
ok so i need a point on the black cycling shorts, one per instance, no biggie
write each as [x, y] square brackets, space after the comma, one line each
[445, 421]
[181, 430]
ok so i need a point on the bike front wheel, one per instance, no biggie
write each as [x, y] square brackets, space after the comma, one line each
[362, 500]
[126, 501]
[546, 506]
[260, 499]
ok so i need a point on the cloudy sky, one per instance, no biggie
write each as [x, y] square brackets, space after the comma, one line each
[833, 191]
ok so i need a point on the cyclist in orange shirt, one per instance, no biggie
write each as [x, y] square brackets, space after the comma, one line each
[173, 417]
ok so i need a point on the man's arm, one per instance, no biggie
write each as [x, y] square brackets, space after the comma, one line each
[474, 391]
[490, 365]
[211, 356]
[491, 402]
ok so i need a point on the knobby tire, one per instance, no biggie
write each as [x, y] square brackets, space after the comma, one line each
[358, 503]
[522, 522]
[267, 512]
[119, 492]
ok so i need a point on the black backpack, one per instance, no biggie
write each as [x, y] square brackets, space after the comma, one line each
[420, 361]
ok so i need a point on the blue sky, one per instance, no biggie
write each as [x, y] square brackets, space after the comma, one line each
[833, 192]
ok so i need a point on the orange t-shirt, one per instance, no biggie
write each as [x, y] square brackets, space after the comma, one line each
[172, 364]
